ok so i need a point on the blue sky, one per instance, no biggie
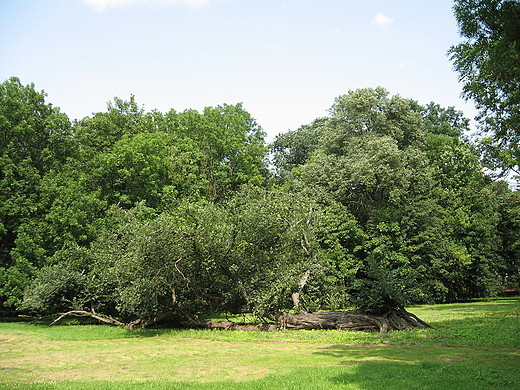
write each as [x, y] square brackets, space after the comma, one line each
[285, 60]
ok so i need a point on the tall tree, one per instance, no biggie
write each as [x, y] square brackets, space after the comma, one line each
[34, 138]
[294, 148]
[225, 143]
[133, 155]
[418, 193]
[488, 63]
[369, 110]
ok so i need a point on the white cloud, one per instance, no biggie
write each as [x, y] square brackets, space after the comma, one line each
[101, 5]
[382, 20]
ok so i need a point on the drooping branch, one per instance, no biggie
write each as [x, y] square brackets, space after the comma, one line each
[140, 322]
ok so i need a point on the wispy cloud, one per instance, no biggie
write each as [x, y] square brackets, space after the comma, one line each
[382, 20]
[101, 5]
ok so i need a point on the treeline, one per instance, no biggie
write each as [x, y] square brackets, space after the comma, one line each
[138, 215]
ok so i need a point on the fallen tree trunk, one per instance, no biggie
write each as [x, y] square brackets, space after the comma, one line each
[344, 320]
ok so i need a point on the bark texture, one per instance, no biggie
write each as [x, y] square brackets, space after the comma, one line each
[344, 320]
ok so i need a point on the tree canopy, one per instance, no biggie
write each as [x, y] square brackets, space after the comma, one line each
[488, 63]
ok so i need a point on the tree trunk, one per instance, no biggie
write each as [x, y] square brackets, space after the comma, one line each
[301, 285]
[229, 325]
[398, 319]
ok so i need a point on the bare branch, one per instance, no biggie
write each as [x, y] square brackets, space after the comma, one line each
[82, 313]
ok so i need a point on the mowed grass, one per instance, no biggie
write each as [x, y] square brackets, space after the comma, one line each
[473, 346]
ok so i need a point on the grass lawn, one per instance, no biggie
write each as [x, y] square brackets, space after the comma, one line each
[473, 346]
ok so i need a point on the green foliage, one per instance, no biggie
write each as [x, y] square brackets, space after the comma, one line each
[56, 289]
[136, 214]
[372, 111]
[101, 131]
[131, 265]
[371, 171]
[247, 255]
[508, 258]
[488, 65]
[35, 138]
[294, 148]
[136, 168]
[132, 155]
[427, 213]
[227, 146]
[447, 121]
[277, 246]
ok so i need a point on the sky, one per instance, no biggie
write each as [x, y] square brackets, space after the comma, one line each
[284, 60]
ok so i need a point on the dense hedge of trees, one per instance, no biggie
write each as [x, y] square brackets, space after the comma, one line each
[136, 215]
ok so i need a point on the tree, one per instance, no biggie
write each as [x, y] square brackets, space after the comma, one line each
[101, 131]
[508, 259]
[418, 194]
[254, 254]
[294, 148]
[466, 201]
[369, 110]
[123, 154]
[376, 182]
[133, 155]
[488, 63]
[35, 138]
[136, 168]
[125, 157]
[447, 121]
[226, 145]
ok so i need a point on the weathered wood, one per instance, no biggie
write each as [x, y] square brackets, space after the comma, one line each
[345, 320]
[342, 320]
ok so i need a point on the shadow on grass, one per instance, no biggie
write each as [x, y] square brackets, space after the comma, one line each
[483, 323]
[360, 376]
[426, 375]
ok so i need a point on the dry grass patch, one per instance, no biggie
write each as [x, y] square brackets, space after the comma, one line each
[160, 358]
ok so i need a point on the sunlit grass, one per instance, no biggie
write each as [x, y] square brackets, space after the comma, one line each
[473, 346]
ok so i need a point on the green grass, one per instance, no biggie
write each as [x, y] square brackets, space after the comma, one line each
[473, 346]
